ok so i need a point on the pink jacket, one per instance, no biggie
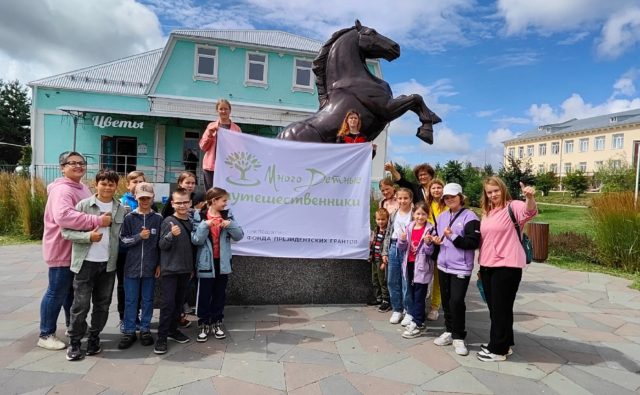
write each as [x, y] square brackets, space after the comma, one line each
[60, 212]
[499, 244]
[208, 145]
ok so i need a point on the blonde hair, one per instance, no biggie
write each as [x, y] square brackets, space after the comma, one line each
[135, 174]
[430, 198]
[344, 129]
[222, 101]
[485, 202]
[407, 191]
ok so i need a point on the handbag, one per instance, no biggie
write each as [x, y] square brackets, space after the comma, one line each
[524, 239]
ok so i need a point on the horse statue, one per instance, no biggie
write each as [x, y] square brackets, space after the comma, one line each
[345, 83]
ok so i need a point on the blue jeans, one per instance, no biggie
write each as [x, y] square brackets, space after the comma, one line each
[407, 290]
[134, 289]
[394, 278]
[59, 293]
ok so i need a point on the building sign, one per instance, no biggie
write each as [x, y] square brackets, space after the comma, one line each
[102, 122]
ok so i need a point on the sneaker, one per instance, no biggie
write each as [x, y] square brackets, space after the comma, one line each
[396, 317]
[127, 341]
[187, 309]
[485, 349]
[121, 326]
[217, 331]
[51, 342]
[433, 315]
[183, 322]
[460, 348]
[146, 339]
[161, 346]
[412, 331]
[406, 320]
[93, 346]
[443, 340]
[374, 302]
[490, 357]
[204, 333]
[384, 306]
[179, 337]
[74, 352]
[422, 327]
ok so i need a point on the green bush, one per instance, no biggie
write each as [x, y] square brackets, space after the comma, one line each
[616, 176]
[576, 183]
[20, 212]
[545, 182]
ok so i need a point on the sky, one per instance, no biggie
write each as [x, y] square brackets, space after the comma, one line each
[489, 69]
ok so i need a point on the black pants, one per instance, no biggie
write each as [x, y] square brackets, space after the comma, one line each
[122, 257]
[500, 287]
[174, 287]
[208, 179]
[453, 290]
[212, 295]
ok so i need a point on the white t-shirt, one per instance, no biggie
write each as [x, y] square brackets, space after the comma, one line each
[99, 252]
[400, 223]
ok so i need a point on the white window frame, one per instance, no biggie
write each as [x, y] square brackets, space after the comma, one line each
[521, 152]
[617, 141]
[530, 149]
[540, 168]
[555, 148]
[196, 73]
[259, 83]
[582, 166]
[567, 168]
[303, 88]
[568, 146]
[584, 145]
[512, 152]
[598, 164]
[554, 168]
[598, 139]
[542, 149]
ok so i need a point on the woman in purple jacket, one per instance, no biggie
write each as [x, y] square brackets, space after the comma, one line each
[458, 237]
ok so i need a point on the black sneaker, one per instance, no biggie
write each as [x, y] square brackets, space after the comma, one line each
[93, 346]
[161, 346]
[217, 331]
[146, 339]
[374, 302]
[179, 337]
[127, 341]
[74, 352]
[384, 306]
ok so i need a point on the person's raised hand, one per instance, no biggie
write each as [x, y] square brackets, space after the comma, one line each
[212, 129]
[389, 166]
[95, 235]
[144, 233]
[105, 220]
[175, 229]
[527, 190]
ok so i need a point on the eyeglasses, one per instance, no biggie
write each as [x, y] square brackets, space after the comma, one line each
[186, 203]
[74, 163]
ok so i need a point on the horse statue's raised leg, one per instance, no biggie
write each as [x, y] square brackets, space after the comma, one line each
[398, 106]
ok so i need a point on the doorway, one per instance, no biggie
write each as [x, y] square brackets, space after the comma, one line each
[119, 154]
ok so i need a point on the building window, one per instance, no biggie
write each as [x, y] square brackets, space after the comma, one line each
[584, 145]
[555, 148]
[598, 164]
[206, 62]
[598, 143]
[542, 149]
[520, 152]
[582, 166]
[540, 169]
[617, 141]
[256, 70]
[512, 152]
[302, 75]
[567, 168]
[554, 168]
[529, 150]
[616, 164]
[568, 146]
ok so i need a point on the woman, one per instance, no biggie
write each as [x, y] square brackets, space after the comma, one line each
[349, 132]
[501, 261]
[424, 174]
[210, 138]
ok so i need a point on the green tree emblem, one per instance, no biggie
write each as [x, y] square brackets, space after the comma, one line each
[243, 162]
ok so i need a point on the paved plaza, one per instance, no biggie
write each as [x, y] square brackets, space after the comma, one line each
[576, 333]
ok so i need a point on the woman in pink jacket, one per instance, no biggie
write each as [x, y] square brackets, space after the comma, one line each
[502, 259]
[209, 140]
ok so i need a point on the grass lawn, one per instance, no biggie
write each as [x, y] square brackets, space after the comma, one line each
[13, 239]
[565, 198]
[565, 219]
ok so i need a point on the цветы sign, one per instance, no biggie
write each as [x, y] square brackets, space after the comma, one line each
[102, 122]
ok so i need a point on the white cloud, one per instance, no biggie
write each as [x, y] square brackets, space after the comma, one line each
[486, 113]
[575, 107]
[625, 85]
[42, 38]
[512, 58]
[574, 38]
[432, 94]
[620, 33]
[445, 140]
[497, 136]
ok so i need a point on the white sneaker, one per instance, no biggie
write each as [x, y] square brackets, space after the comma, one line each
[490, 357]
[433, 315]
[407, 320]
[396, 317]
[51, 342]
[460, 348]
[412, 331]
[443, 340]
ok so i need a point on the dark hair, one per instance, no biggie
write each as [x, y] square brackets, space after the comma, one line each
[108, 175]
[181, 191]
[184, 175]
[424, 167]
[215, 193]
[422, 205]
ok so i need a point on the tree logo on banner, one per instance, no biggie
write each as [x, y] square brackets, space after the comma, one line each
[243, 162]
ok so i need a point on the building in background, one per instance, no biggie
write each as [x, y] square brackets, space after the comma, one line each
[148, 111]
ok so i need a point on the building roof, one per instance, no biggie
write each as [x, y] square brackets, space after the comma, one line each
[265, 38]
[580, 125]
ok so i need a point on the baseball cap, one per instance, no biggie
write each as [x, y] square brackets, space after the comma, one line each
[452, 189]
[144, 189]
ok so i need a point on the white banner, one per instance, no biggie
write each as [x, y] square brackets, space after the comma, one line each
[296, 200]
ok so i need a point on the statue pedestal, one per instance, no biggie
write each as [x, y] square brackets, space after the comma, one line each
[258, 280]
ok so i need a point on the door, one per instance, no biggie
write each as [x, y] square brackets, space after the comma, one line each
[119, 154]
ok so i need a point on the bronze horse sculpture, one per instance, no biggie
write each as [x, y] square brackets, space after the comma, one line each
[345, 83]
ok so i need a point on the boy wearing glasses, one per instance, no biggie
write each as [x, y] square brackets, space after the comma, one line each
[176, 268]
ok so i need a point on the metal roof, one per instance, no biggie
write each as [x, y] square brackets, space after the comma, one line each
[580, 125]
[126, 76]
[264, 38]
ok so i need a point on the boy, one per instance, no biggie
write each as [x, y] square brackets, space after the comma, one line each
[176, 268]
[93, 260]
[378, 262]
[140, 234]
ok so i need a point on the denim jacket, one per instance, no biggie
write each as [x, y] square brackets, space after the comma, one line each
[200, 237]
[424, 265]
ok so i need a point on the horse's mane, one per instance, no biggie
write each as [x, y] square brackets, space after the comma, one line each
[320, 65]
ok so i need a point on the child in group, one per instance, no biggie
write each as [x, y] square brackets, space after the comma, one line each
[459, 231]
[436, 204]
[349, 131]
[415, 245]
[397, 287]
[176, 268]
[140, 234]
[213, 233]
[388, 191]
[378, 262]
[93, 260]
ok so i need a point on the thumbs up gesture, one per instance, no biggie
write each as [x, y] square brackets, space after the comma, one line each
[527, 191]
[144, 233]
[95, 236]
[175, 229]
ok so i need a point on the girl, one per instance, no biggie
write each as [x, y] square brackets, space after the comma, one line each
[214, 228]
[210, 138]
[415, 244]
[436, 204]
[388, 191]
[397, 287]
[460, 236]
[378, 262]
[501, 261]
[186, 180]
[350, 130]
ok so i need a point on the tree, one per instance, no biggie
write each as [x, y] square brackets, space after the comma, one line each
[452, 172]
[616, 176]
[514, 172]
[14, 121]
[576, 183]
[488, 170]
[407, 172]
[545, 182]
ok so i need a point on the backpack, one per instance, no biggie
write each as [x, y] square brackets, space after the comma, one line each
[524, 239]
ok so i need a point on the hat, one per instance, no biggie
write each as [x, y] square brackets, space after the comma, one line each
[452, 189]
[144, 189]
[62, 159]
